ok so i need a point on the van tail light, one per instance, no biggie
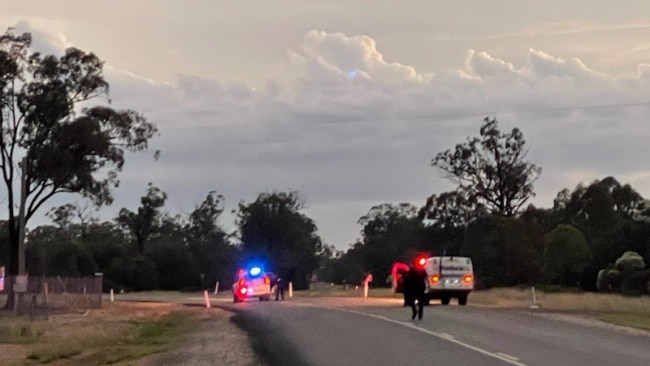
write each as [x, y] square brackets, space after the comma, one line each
[242, 283]
[435, 279]
[267, 280]
[468, 279]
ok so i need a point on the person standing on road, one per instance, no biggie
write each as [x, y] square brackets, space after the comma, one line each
[279, 289]
[414, 286]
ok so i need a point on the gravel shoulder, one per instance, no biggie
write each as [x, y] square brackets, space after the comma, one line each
[219, 341]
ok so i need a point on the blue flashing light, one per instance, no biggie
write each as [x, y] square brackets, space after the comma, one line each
[255, 271]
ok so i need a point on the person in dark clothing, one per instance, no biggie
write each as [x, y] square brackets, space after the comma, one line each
[414, 286]
[279, 289]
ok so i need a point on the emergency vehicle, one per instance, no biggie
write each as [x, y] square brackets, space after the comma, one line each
[251, 283]
[447, 277]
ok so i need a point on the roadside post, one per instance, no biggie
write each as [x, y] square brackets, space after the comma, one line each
[366, 281]
[112, 296]
[216, 288]
[290, 289]
[535, 305]
[206, 297]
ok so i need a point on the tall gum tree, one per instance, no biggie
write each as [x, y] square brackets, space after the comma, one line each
[491, 170]
[55, 137]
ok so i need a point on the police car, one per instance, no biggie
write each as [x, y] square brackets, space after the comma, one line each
[252, 283]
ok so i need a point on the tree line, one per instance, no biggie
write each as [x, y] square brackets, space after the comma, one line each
[149, 249]
[595, 237]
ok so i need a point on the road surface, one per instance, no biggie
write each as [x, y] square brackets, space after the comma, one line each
[380, 332]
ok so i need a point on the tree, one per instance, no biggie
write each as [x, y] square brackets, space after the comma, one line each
[273, 229]
[64, 216]
[633, 280]
[389, 231]
[214, 255]
[504, 250]
[566, 255]
[451, 209]
[52, 251]
[611, 217]
[491, 170]
[144, 222]
[49, 144]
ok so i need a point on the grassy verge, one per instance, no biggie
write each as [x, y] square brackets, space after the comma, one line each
[117, 333]
[611, 308]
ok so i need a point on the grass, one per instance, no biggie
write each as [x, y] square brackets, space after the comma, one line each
[611, 308]
[19, 331]
[48, 354]
[118, 332]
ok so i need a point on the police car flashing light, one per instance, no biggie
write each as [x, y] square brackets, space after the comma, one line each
[252, 282]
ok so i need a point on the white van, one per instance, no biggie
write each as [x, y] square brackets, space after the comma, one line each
[449, 277]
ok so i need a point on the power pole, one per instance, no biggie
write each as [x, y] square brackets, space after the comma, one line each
[21, 280]
[21, 218]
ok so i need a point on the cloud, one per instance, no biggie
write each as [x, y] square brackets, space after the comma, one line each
[48, 43]
[352, 130]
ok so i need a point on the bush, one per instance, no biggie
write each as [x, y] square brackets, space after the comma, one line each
[636, 284]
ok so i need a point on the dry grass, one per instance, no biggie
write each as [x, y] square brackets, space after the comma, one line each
[587, 302]
[117, 332]
[611, 308]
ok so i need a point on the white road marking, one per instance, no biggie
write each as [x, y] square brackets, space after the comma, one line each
[508, 356]
[501, 356]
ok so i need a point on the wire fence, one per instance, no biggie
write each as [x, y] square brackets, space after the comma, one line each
[40, 296]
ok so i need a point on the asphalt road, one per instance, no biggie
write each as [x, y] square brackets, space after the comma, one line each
[380, 332]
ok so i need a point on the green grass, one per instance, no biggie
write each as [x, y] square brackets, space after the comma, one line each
[19, 331]
[633, 320]
[154, 336]
[138, 338]
[52, 353]
[164, 330]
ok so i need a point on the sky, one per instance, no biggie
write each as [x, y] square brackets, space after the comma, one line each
[348, 101]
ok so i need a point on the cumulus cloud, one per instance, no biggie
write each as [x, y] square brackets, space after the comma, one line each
[353, 130]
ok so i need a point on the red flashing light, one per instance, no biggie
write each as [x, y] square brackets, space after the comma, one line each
[267, 280]
[468, 279]
[242, 282]
[420, 261]
[435, 278]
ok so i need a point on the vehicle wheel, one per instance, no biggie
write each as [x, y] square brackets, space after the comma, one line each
[462, 300]
[235, 299]
[427, 301]
[445, 300]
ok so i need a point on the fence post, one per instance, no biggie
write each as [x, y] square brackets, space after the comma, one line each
[46, 295]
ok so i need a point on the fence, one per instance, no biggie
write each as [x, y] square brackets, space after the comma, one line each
[59, 294]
